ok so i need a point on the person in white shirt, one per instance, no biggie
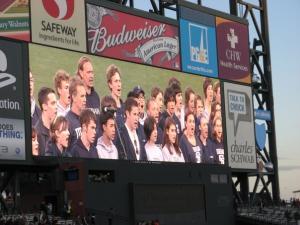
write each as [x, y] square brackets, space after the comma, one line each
[61, 84]
[105, 146]
[171, 151]
[153, 150]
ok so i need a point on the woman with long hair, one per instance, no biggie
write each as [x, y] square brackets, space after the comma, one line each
[152, 150]
[35, 143]
[215, 112]
[189, 142]
[171, 151]
[208, 96]
[59, 138]
[217, 138]
[189, 100]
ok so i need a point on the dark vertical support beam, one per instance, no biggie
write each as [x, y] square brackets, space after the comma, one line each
[131, 3]
[255, 189]
[233, 7]
[244, 187]
[155, 9]
[266, 188]
[17, 192]
[236, 194]
[161, 8]
[270, 101]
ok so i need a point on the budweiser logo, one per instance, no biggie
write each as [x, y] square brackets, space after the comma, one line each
[101, 40]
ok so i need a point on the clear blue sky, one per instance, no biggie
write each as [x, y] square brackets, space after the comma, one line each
[285, 55]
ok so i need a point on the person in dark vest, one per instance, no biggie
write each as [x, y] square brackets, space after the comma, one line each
[178, 115]
[189, 142]
[217, 139]
[209, 153]
[47, 101]
[114, 83]
[130, 144]
[78, 103]
[85, 72]
[84, 147]
[169, 102]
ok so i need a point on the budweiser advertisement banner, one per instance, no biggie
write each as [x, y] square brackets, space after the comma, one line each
[118, 35]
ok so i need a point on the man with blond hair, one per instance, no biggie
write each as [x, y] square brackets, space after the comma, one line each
[78, 103]
[61, 84]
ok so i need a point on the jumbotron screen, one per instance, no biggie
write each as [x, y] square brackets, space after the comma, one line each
[86, 106]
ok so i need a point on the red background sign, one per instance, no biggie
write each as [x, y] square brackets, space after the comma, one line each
[118, 35]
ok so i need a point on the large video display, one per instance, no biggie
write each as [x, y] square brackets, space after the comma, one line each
[94, 107]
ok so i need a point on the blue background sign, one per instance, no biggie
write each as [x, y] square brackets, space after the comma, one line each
[198, 48]
[262, 114]
[260, 135]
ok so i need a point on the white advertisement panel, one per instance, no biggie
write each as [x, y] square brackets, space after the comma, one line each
[59, 23]
[239, 126]
[12, 139]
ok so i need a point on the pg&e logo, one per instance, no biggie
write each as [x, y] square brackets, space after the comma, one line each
[59, 9]
[198, 43]
[5, 78]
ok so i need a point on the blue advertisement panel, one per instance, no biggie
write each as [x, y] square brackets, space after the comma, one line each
[198, 44]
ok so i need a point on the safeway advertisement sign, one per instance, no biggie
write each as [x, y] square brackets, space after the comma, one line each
[118, 35]
[59, 23]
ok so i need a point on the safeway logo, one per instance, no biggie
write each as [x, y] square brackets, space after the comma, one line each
[59, 9]
[5, 78]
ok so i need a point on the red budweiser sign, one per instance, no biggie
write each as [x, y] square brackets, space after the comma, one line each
[118, 35]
